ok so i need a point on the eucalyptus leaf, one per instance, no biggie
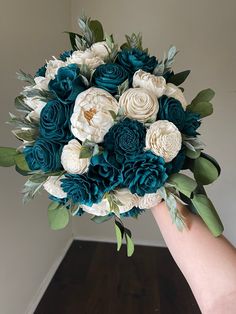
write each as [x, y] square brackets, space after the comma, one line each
[21, 163]
[205, 95]
[21, 75]
[183, 183]
[21, 105]
[53, 206]
[130, 245]
[30, 190]
[207, 211]
[97, 30]
[119, 230]
[205, 171]
[203, 108]
[101, 219]
[192, 154]
[58, 218]
[179, 78]
[7, 156]
[72, 37]
[26, 134]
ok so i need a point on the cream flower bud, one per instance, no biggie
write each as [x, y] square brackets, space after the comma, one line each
[149, 200]
[127, 199]
[91, 118]
[164, 139]
[175, 92]
[100, 49]
[53, 186]
[70, 158]
[139, 104]
[100, 209]
[85, 57]
[152, 83]
[52, 67]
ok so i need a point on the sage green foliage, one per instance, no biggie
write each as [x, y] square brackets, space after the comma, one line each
[165, 65]
[58, 216]
[101, 219]
[179, 78]
[192, 154]
[122, 232]
[97, 30]
[183, 183]
[8, 156]
[207, 212]
[133, 41]
[201, 103]
[205, 171]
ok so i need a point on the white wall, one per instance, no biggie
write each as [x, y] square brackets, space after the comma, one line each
[204, 32]
[30, 31]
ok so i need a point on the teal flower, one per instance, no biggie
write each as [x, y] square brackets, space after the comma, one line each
[29, 157]
[41, 71]
[81, 189]
[55, 121]
[134, 212]
[177, 163]
[135, 59]
[192, 123]
[171, 109]
[109, 76]
[125, 140]
[66, 54]
[145, 173]
[67, 84]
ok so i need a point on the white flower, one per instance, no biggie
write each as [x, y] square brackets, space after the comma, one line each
[153, 83]
[127, 199]
[52, 67]
[175, 92]
[100, 209]
[164, 139]
[139, 104]
[149, 200]
[85, 57]
[91, 118]
[37, 105]
[53, 186]
[70, 158]
[100, 49]
[41, 83]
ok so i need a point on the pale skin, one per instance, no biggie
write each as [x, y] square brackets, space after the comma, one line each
[208, 263]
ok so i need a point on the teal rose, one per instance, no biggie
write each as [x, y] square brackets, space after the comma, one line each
[135, 59]
[55, 121]
[171, 109]
[177, 163]
[192, 123]
[67, 84]
[145, 173]
[109, 77]
[29, 157]
[81, 189]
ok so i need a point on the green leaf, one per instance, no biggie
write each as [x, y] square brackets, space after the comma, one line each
[179, 78]
[30, 190]
[72, 37]
[212, 160]
[53, 206]
[203, 108]
[21, 105]
[130, 245]
[21, 75]
[119, 229]
[113, 114]
[7, 156]
[97, 30]
[208, 213]
[192, 154]
[205, 171]
[28, 135]
[58, 218]
[86, 152]
[205, 95]
[183, 183]
[21, 163]
[101, 219]
[39, 178]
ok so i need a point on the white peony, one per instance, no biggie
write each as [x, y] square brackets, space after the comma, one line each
[91, 118]
[153, 83]
[85, 57]
[164, 139]
[53, 186]
[100, 49]
[52, 68]
[37, 105]
[175, 92]
[139, 104]
[127, 199]
[100, 209]
[149, 200]
[70, 158]
[41, 83]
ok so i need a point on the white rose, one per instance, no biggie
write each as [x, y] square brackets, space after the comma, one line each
[52, 67]
[164, 139]
[139, 104]
[91, 118]
[100, 209]
[149, 200]
[85, 57]
[127, 199]
[153, 83]
[175, 92]
[37, 105]
[100, 49]
[53, 186]
[70, 158]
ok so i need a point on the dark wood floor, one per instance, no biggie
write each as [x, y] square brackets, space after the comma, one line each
[95, 279]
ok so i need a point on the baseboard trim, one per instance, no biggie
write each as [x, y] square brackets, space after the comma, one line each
[46, 281]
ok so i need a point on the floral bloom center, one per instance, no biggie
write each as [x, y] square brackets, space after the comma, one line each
[89, 114]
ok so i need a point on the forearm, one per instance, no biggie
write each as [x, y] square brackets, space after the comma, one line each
[208, 263]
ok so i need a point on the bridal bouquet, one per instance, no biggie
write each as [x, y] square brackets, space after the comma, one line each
[106, 130]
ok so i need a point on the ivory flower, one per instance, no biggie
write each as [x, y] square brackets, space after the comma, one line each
[139, 104]
[100, 49]
[175, 92]
[52, 67]
[149, 200]
[164, 139]
[91, 118]
[85, 57]
[37, 105]
[152, 83]
[53, 186]
[100, 209]
[70, 158]
[127, 199]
